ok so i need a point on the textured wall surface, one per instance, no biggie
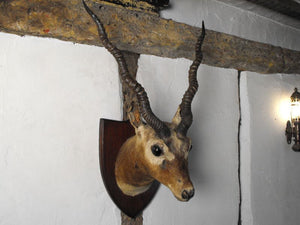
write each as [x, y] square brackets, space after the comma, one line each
[142, 33]
[52, 94]
[274, 168]
[229, 18]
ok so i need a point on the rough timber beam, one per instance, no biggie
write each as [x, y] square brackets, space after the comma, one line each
[142, 33]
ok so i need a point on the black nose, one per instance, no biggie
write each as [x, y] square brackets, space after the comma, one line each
[188, 194]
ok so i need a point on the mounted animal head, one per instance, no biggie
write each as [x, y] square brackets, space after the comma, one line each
[159, 150]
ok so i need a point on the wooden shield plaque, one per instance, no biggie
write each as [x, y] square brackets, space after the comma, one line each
[112, 135]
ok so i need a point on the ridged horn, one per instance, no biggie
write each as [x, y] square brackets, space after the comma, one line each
[185, 106]
[143, 102]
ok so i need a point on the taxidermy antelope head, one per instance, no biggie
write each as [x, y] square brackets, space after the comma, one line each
[159, 150]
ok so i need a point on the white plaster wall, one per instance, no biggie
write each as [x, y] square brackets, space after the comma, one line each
[231, 18]
[52, 94]
[274, 184]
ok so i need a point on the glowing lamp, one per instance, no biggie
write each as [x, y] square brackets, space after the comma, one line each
[293, 125]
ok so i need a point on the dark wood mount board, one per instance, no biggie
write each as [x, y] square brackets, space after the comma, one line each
[112, 135]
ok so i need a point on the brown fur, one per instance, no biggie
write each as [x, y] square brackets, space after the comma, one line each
[136, 166]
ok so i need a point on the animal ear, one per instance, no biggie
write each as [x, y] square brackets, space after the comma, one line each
[177, 118]
[134, 118]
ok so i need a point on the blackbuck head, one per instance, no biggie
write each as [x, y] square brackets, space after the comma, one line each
[159, 150]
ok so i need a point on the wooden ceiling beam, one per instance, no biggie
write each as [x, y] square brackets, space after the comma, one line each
[142, 33]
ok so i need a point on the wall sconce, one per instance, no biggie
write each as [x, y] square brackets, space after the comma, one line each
[293, 125]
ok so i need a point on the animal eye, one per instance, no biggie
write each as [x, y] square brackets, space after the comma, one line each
[156, 150]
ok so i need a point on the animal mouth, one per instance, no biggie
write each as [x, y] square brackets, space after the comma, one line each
[185, 195]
